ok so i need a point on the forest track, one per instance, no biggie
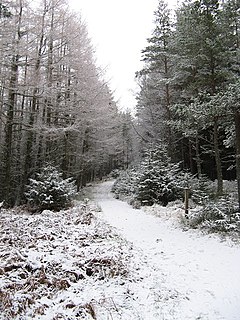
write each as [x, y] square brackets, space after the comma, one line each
[193, 276]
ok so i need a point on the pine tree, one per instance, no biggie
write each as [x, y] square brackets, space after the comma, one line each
[229, 100]
[157, 178]
[230, 20]
[49, 191]
[155, 80]
[201, 46]
[202, 66]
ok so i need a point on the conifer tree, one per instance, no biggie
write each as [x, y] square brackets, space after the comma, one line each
[54, 104]
[202, 63]
[49, 191]
[155, 80]
[157, 181]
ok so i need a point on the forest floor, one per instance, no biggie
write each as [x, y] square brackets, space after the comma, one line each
[104, 260]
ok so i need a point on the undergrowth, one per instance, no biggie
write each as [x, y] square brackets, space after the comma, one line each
[207, 211]
[47, 259]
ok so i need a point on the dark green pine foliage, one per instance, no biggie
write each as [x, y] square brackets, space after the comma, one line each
[157, 178]
[202, 68]
[49, 191]
[155, 79]
[230, 19]
[201, 48]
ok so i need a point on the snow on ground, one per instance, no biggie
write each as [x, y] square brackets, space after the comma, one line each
[74, 265]
[66, 265]
[188, 275]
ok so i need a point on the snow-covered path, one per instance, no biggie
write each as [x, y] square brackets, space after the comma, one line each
[190, 275]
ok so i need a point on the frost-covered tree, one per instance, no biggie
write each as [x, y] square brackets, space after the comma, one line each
[204, 114]
[201, 46]
[157, 178]
[49, 191]
[202, 53]
[155, 80]
[230, 19]
[54, 104]
[229, 101]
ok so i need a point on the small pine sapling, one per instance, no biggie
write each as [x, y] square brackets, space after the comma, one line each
[49, 191]
[157, 178]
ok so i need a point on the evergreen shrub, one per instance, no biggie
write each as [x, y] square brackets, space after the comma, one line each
[125, 184]
[202, 189]
[49, 191]
[217, 215]
[157, 181]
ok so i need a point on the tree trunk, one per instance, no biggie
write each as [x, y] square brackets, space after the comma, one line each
[9, 131]
[21, 141]
[8, 143]
[49, 99]
[217, 159]
[168, 98]
[190, 156]
[198, 158]
[237, 131]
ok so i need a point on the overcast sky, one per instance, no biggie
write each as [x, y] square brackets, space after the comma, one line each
[119, 29]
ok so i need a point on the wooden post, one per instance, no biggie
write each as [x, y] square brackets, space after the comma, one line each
[1, 205]
[186, 201]
[237, 131]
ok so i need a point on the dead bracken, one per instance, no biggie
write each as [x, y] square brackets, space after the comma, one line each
[44, 256]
